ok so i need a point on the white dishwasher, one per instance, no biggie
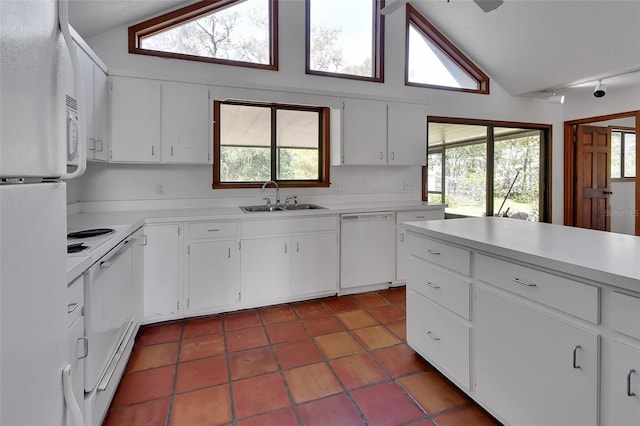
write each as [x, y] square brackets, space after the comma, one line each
[367, 249]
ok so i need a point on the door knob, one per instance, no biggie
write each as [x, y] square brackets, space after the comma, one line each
[607, 192]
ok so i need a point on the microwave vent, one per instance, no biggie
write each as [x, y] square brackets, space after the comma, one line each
[72, 103]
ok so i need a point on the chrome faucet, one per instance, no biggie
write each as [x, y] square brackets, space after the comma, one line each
[264, 185]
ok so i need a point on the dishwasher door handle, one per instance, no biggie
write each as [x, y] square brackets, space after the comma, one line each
[116, 252]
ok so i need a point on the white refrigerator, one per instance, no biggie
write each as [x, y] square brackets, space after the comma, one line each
[39, 108]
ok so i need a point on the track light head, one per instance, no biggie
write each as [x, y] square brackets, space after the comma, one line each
[600, 90]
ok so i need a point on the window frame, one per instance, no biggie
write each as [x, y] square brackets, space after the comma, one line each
[427, 29]
[378, 46]
[187, 13]
[623, 131]
[545, 195]
[324, 156]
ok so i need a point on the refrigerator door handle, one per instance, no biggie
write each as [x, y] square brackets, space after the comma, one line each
[75, 414]
[63, 17]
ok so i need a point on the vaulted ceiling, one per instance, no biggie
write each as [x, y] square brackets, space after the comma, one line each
[529, 47]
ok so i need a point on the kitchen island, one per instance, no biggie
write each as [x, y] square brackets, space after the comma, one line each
[539, 323]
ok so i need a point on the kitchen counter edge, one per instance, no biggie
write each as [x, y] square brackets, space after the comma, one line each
[597, 256]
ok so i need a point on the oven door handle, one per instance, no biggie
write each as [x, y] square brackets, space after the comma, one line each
[116, 252]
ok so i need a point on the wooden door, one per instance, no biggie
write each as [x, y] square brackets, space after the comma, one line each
[593, 178]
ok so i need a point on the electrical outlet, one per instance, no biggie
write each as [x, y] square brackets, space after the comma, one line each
[159, 189]
[408, 186]
[338, 186]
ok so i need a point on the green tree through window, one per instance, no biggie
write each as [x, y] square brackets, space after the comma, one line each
[256, 142]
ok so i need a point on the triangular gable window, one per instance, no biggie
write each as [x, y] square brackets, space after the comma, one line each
[234, 32]
[433, 61]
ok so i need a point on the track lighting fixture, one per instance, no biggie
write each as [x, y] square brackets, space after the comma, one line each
[556, 99]
[600, 90]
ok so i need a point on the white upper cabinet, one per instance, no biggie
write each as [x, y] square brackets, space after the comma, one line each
[186, 121]
[406, 134]
[135, 120]
[160, 122]
[364, 140]
[382, 133]
[96, 113]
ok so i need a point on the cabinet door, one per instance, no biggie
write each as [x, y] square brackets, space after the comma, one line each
[161, 270]
[135, 120]
[407, 134]
[621, 386]
[265, 273]
[533, 368]
[315, 264]
[100, 114]
[364, 132]
[185, 123]
[214, 275]
[86, 72]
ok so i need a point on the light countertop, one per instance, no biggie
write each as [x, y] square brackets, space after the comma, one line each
[137, 218]
[594, 255]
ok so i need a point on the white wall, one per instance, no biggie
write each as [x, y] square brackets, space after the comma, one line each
[623, 209]
[114, 182]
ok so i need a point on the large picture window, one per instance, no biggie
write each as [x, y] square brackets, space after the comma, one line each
[233, 32]
[489, 169]
[258, 142]
[345, 39]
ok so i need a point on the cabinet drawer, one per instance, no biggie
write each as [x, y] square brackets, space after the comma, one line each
[439, 336]
[75, 299]
[442, 254]
[440, 286]
[572, 297]
[211, 230]
[625, 314]
[418, 215]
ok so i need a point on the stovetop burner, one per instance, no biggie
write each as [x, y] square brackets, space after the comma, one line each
[76, 248]
[88, 233]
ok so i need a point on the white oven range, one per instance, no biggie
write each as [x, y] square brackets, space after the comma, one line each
[109, 323]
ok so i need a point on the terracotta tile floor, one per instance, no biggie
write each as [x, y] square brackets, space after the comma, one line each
[336, 361]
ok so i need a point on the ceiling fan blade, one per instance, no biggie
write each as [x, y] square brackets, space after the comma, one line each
[488, 5]
[387, 10]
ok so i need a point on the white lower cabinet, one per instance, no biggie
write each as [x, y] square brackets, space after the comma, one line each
[535, 368]
[162, 265]
[214, 275]
[282, 268]
[314, 264]
[287, 259]
[212, 264]
[438, 335]
[621, 382]
[266, 270]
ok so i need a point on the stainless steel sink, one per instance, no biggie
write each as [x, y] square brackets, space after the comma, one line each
[265, 208]
[262, 208]
[303, 207]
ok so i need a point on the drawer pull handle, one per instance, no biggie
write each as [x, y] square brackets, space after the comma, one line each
[433, 336]
[430, 284]
[85, 340]
[629, 393]
[213, 230]
[519, 281]
[575, 350]
[433, 252]
[420, 217]
[71, 307]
